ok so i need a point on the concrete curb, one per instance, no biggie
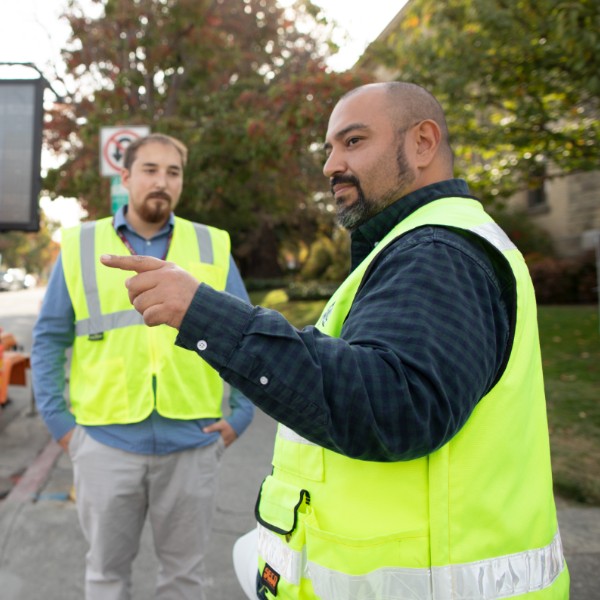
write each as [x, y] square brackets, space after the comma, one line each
[36, 475]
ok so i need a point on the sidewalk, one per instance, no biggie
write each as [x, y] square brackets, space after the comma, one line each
[42, 551]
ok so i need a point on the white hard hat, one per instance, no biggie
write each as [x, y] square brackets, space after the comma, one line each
[245, 562]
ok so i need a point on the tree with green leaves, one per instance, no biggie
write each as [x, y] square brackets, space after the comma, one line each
[32, 252]
[519, 80]
[243, 84]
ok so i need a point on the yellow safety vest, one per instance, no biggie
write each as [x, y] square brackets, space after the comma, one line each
[121, 369]
[474, 520]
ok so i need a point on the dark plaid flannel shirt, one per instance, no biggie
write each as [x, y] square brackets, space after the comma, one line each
[425, 340]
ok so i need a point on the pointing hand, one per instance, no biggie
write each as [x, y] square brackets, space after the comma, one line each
[161, 291]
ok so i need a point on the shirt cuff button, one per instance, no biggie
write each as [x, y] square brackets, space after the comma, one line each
[201, 345]
[264, 380]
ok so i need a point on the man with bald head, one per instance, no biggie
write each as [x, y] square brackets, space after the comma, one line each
[412, 455]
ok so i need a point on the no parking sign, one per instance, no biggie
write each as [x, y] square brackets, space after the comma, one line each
[113, 142]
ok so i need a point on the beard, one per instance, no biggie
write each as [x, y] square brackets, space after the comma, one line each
[352, 216]
[155, 212]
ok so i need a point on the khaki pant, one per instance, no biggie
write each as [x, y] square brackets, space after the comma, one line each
[117, 490]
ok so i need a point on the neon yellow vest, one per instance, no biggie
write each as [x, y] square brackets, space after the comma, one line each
[121, 369]
[475, 519]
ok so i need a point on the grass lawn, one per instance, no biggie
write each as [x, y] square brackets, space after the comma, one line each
[570, 340]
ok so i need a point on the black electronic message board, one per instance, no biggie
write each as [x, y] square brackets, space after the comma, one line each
[21, 120]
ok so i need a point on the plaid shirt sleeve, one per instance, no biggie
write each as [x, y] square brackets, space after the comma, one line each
[422, 344]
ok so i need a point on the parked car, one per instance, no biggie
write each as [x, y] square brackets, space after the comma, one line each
[30, 281]
[12, 279]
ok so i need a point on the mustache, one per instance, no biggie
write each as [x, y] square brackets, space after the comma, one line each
[159, 195]
[335, 180]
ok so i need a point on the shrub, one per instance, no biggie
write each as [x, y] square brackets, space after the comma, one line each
[566, 280]
[254, 284]
[529, 237]
[311, 290]
[328, 257]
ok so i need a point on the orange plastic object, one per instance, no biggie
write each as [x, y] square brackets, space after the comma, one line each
[13, 365]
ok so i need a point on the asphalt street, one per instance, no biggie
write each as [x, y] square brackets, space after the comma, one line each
[42, 551]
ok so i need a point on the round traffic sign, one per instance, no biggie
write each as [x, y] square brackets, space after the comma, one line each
[114, 148]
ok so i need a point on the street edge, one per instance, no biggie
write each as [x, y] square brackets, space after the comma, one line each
[36, 475]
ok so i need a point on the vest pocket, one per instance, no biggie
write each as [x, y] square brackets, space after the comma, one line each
[363, 557]
[212, 275]
[279, 504]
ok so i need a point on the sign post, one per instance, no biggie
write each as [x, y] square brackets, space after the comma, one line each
[113, 143]
[118, 194]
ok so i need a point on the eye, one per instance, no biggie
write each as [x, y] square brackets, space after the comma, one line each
[353, 141]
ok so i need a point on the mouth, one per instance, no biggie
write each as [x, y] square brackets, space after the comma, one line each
[340, 188]
[340, 192]
[341, 185]
[159, 196]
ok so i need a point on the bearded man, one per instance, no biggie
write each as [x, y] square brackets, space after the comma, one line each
[144, 426]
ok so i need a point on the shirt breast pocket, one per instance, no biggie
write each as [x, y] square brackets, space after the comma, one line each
[212, 275]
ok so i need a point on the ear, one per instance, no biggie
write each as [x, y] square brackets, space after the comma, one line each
[125, 173]
[427, 137]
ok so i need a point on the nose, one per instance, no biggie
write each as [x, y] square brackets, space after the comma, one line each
[160, 180]
[334, 164]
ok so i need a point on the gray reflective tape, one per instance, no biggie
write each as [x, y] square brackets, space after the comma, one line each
[493, 579]
[97, 322]
[289, 435]
[117, 320]
[494, 235]
[204, 243]
[501, 577]
[290, 564]
[389, 583]
[88, 276]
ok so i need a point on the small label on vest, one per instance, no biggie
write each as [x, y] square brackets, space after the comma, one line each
[326, 314]
[96, 337]
[270, 579]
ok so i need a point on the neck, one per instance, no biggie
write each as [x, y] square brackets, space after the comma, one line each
[143, 228]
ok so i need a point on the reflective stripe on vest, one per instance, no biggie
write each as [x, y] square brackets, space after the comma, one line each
[97, 322]
[291, 436]
[492, 579]
[494, 235]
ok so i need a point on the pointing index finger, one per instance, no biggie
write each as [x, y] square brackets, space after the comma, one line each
[136, 263]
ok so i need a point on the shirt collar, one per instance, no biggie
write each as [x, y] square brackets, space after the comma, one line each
[366, 237]
[120, 222]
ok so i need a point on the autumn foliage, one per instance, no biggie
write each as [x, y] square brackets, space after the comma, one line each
[243, 84]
